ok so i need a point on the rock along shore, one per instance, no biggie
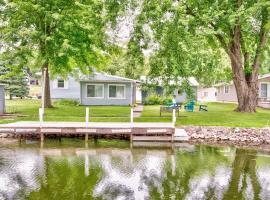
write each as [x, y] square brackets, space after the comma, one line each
[228, 135]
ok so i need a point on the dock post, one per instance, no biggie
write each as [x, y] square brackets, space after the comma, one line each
[174, 118]
[86, 137]
[41, 115]
[87, 117]
[131, 116]
[41, 137]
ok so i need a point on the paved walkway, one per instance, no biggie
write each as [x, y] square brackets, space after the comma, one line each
[137, 111]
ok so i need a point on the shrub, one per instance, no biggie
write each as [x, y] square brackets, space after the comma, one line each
[68, 102]
[156, 100]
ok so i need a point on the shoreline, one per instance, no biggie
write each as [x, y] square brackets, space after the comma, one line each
[258, 138]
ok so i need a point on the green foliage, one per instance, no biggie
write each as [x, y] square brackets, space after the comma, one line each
[64, 34]
[192, 38]
[156, 100]
[16, 82]
[67, 102]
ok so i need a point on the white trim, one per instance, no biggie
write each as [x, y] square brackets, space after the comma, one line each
[115, 84]
[95, 97]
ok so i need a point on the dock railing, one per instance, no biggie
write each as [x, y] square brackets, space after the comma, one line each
[91, 115]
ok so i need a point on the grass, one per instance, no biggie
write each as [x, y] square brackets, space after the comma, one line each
[28, 111]
[219, 114]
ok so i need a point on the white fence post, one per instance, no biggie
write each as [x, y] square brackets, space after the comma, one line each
[131, 115]
[41, 115]
[174, 118]
[87, 117]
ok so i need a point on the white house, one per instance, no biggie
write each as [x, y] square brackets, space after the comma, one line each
[226, 92]
[95, 89]
[207, 94]
[181, 96]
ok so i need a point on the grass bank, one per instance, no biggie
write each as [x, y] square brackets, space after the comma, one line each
[219, 114]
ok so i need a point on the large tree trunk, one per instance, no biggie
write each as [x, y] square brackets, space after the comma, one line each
[246, 85]
[47, 93]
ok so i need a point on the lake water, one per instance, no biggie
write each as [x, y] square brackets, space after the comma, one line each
[68, 169]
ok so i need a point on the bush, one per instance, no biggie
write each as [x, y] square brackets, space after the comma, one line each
[156, 100]
[68, 102]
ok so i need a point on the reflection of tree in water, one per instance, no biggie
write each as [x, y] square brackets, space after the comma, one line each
[65, 179]
[188, 165]
[193, 167]
[244, 166]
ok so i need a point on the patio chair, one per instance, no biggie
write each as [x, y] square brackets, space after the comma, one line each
[190, 106]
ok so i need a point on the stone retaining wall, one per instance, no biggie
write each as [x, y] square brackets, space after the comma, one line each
[236, 136]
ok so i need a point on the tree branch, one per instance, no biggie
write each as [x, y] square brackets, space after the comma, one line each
[262, 40]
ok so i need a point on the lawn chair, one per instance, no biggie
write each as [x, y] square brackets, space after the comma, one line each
[203, 108]
[190, 106]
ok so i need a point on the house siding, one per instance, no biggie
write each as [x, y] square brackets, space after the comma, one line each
[129, 98]
[211, 94]
[72, 91]
[231, 96]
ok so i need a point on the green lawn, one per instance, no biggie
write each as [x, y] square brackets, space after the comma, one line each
[29, 111]
[219, 114]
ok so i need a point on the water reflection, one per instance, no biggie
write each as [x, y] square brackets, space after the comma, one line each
[111, 170]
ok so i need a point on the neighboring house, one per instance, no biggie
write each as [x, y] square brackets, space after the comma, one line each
[160, 90]
[226, 92]
[207, 94]
[95, 89]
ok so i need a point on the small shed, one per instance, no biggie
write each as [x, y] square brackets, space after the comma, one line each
[2, 99]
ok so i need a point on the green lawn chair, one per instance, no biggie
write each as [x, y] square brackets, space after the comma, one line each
[190, 106]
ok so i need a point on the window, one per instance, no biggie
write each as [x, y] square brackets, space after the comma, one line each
[60, 83]
[117, 91]
[205, 94]
[226, 89]
[95, 91]
[263, 90]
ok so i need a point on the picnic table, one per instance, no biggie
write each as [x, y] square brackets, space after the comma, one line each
[169, 109]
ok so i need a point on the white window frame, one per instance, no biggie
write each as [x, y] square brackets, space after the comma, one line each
[61, 88]
[260, 92]
[95, 85]
[125, 97]
[225, 89]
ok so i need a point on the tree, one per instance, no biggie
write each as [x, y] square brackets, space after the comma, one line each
[191, 33]
[16, 83]
[55, 35]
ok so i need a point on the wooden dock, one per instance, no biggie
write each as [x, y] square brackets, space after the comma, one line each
[136, 131]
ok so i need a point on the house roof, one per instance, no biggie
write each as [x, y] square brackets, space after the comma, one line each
[231, 82]
[103, 77]
[192, 81]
